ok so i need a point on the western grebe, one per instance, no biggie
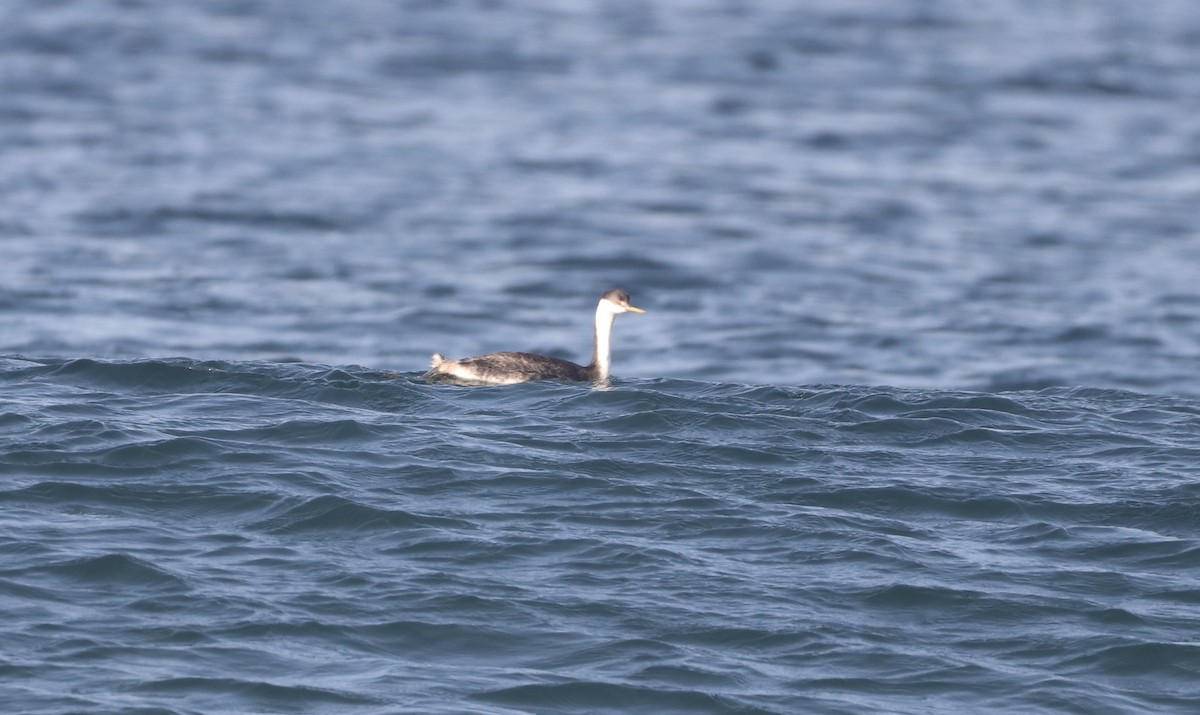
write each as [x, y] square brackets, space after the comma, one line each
[511, 368]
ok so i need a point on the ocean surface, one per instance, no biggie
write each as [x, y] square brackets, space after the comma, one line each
[911, 425]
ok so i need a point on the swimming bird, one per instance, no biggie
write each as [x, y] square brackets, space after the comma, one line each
[511, 368]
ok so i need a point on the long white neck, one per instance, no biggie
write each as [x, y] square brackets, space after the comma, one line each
[602, 347]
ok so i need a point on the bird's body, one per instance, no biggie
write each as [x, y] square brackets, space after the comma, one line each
[508, 368]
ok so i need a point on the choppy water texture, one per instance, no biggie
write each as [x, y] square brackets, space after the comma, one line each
[912, 425]
[235, 536]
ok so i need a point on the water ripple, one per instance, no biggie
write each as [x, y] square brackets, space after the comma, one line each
[662, 545]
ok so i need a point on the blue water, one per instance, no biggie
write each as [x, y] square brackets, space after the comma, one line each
[912, 424]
